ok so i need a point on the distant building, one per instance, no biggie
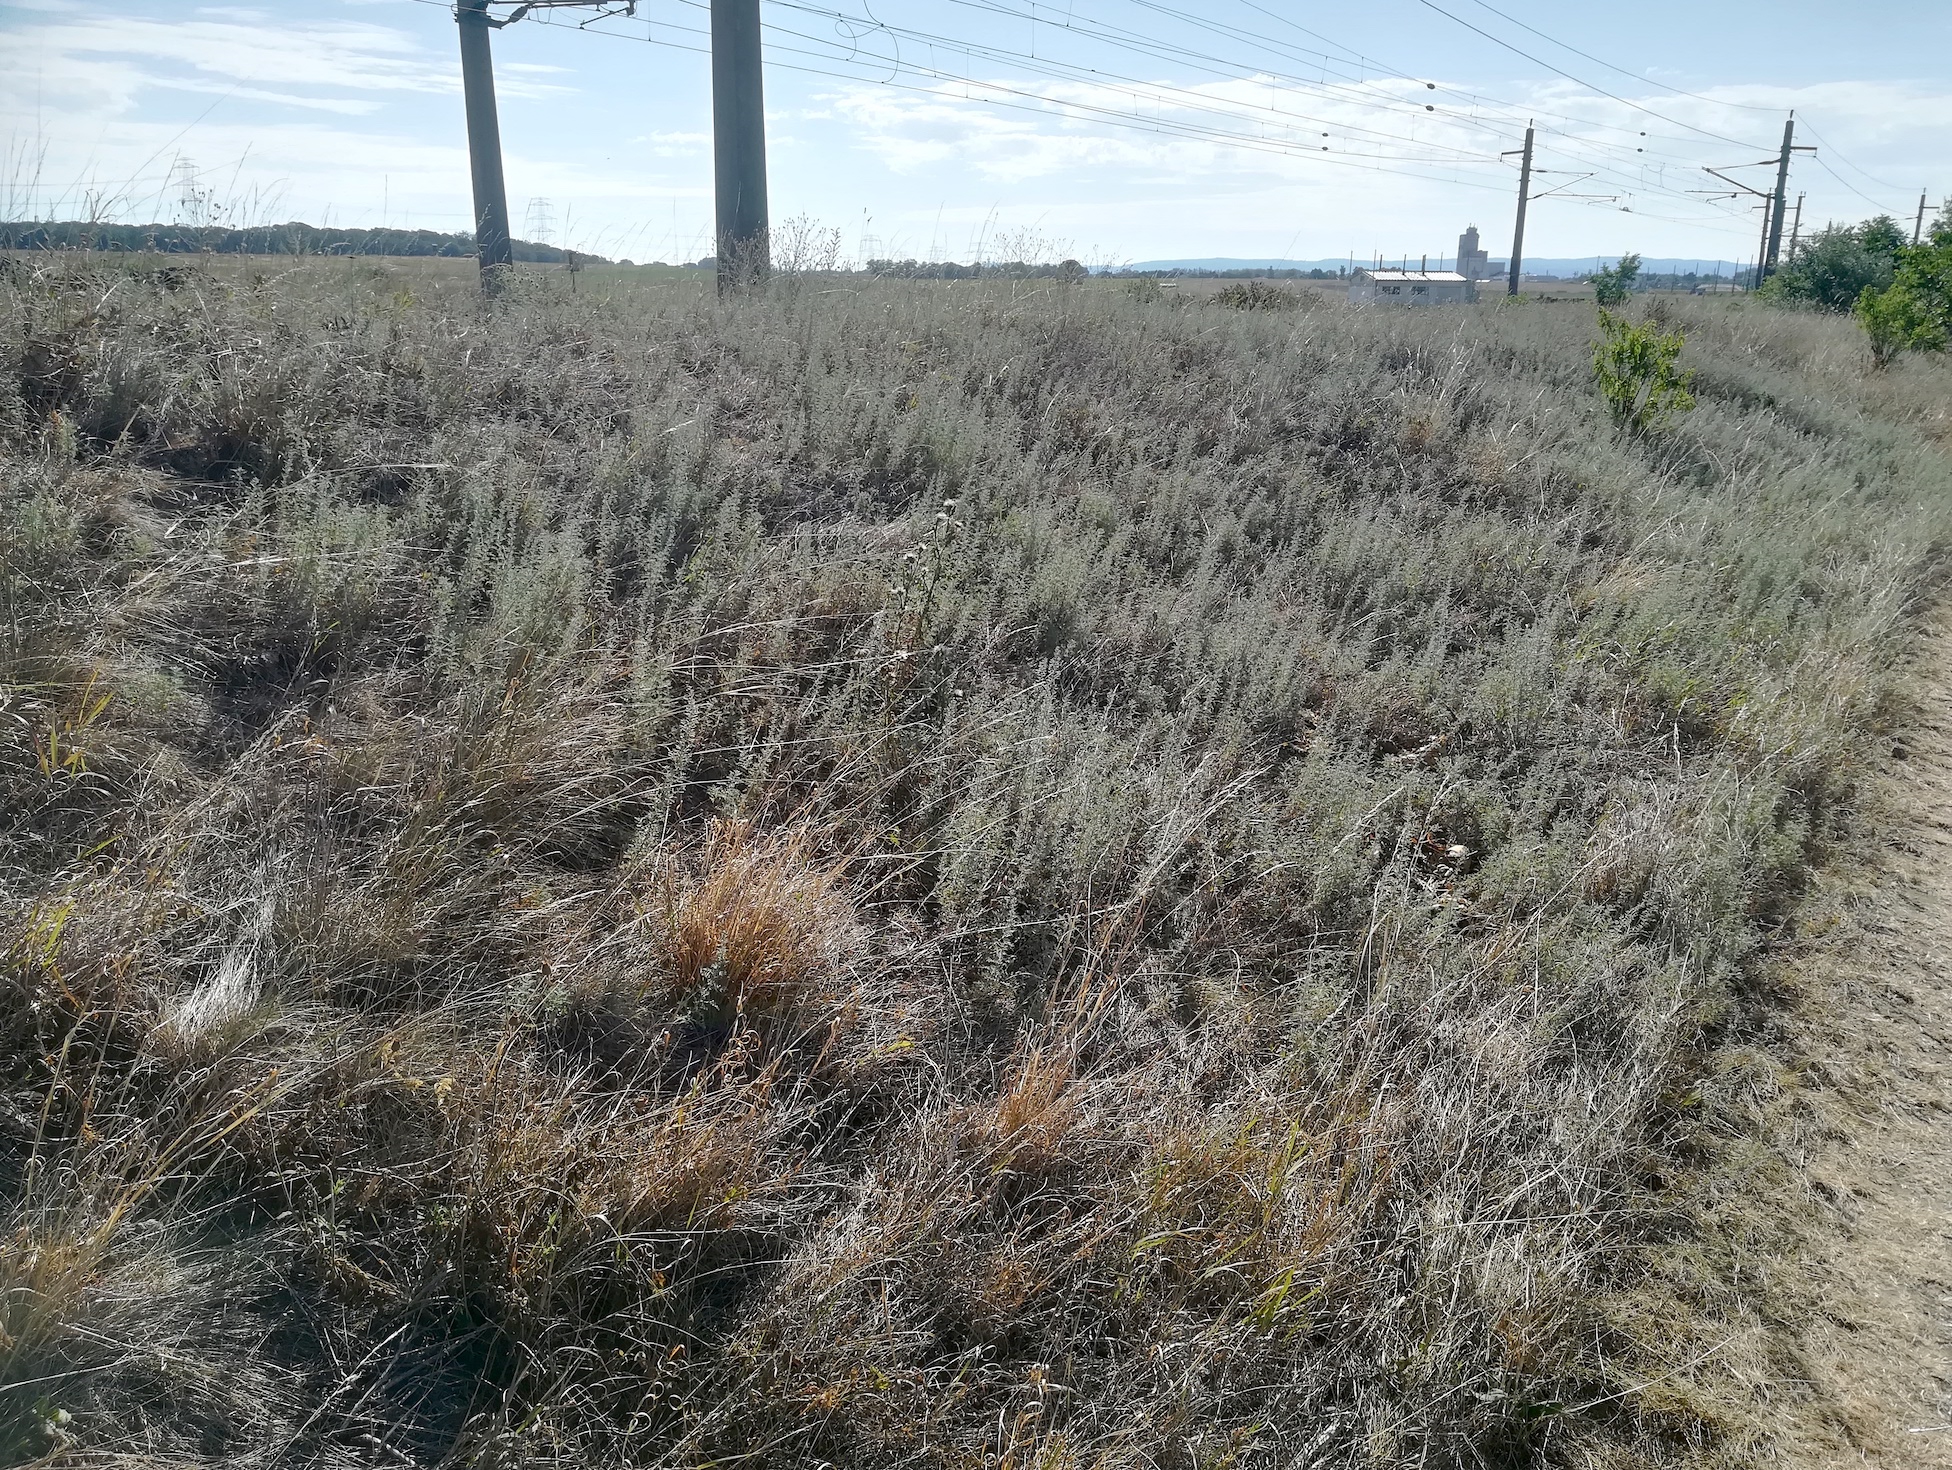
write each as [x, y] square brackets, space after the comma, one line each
[1411, 288]
[1472, 263]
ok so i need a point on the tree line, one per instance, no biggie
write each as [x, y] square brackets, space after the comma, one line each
[294, 238]
[1901, 292]
[949, 270]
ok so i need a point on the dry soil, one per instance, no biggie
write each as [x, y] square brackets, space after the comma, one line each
[1880, 1350]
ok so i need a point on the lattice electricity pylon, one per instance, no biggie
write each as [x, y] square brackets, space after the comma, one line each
[540, 221]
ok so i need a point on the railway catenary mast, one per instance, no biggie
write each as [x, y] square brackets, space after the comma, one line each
[738, 144]
[1518, 228]
[491, 238]
[738, 135]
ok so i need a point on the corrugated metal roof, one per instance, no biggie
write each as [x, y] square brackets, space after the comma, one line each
[1449, 276]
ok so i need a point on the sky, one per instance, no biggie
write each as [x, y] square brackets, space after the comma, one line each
[1108, 130]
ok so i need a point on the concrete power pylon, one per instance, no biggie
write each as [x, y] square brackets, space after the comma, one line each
[738, 133]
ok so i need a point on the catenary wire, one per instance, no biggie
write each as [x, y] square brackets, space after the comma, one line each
[1039, 103]
[1532, 110]
[1834, 153]
[1677, 91]
[1042, 104]
[1159, 50]
[1167, 51]
[1050, 67]
[1045, 67]
[1590, 86]
[1045, 105]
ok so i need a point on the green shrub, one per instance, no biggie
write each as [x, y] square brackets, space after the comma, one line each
[1913, 313]
[1614, 285]
[1897, 320]
[1256, 296]
[1635, 368]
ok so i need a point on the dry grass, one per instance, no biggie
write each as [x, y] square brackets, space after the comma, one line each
[759, 928]
[945, 875]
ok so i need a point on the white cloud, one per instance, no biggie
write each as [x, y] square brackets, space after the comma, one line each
[1371, 160]
[354, 57]
[346, 106]
[108, 60]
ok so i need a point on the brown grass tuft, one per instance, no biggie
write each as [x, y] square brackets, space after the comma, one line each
[1036, 1108]
[755, 924]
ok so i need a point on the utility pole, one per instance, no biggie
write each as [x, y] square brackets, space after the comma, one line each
[491, 240]
[1776, 209]
[1918, 225]
[1769, 246]
[1796, 229]
[491, 235]
[738, 143]
[1518, 229]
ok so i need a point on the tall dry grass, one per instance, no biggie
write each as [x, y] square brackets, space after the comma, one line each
[911, 874]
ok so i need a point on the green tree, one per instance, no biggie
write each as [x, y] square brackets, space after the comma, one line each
[1883, 236]
[1612, 286]
[1914, 312]
[1832, 268]
[1637, 373]
[1895, 321]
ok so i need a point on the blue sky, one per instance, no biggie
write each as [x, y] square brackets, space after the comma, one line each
[1109, 129]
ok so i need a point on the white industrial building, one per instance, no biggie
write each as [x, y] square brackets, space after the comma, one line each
[1472, 260]
[1411, 288]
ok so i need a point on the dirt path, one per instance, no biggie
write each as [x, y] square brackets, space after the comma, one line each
[1880, 1351]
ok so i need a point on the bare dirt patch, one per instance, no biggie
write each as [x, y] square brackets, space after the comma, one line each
[1879, 1350]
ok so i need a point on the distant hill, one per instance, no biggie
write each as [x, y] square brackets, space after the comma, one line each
[1545, 265]
[1233, 263]
[294, 238]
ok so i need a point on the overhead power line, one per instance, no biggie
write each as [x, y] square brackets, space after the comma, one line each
[1503, 127]
[1623, 71]
[932, 81]
[1226, 68]
[1070, 71]
[1514, 111]
[1865, 173]
[1591, 86]
[1044, 105]
[1202, 116]
[1879, 205]
[1361, 86]
[1231, 108]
